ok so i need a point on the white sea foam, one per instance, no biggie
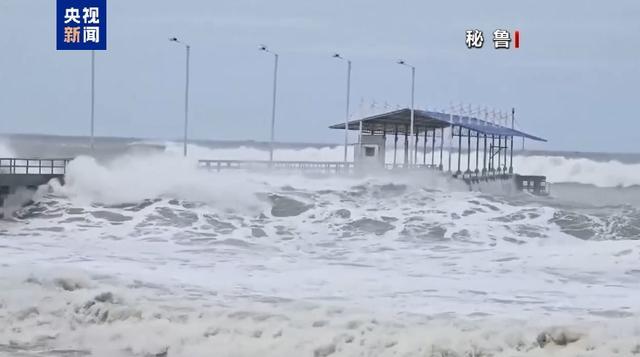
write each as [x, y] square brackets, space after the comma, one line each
[132, 178]
[53, 311]
[282, 264]
[581, 170]
[5, 152]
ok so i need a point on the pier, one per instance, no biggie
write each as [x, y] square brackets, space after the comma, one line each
[18, 173]
[487, 149]
[326, 167]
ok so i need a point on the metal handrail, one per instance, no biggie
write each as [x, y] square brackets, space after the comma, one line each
[327, 166]
[32, 166]
[411, 166]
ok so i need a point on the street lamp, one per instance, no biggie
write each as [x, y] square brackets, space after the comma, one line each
[346, 119]
[273, 103]
[186, 94]
[413, 87]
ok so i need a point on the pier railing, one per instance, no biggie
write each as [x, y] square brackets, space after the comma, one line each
[15, 166]
[411, 166]
[318, 166]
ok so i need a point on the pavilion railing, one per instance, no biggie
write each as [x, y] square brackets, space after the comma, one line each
[19, 166]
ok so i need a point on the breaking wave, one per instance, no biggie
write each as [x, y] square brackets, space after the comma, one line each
[558, 168]
[149, 256]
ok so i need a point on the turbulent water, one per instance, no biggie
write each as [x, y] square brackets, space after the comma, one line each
[148, 256]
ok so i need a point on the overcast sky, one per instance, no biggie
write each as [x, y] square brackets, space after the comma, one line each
[574, 80]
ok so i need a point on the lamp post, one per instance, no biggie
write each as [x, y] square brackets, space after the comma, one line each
[346, 119]
[413, 87]
[186, 95]
[273, 103]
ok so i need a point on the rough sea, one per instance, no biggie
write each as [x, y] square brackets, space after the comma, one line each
[146, 255]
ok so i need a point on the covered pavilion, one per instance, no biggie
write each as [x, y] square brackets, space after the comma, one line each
[493, 140]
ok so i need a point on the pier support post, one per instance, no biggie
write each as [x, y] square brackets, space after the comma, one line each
[433, 148]
[477, 151]
[415, 150]
[424, 149]
[484, 157]
[459, 150]
[511, 157]
[441, 146]
[450, 147]
[468, 151]
[499, 153]
[406, 148]
[504, 165]
[395, 148]
[492, 158]
[506, 147]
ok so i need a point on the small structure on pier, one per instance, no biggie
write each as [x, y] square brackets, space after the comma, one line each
[491, 143]
[374, 130]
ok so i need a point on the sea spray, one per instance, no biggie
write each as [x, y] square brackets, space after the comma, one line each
[148, 255]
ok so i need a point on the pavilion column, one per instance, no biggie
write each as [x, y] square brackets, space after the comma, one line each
[415, 149]
[395, 148]
[441, 147]
[491, 160]
[501, 164]
[450, 147]
[499, 153]
[511, 157]
[459, 149]
[477, 151]
[468, 150]
[424, 151]
[406, 148]
[506, 153]
[433, 148]
[484, 157]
